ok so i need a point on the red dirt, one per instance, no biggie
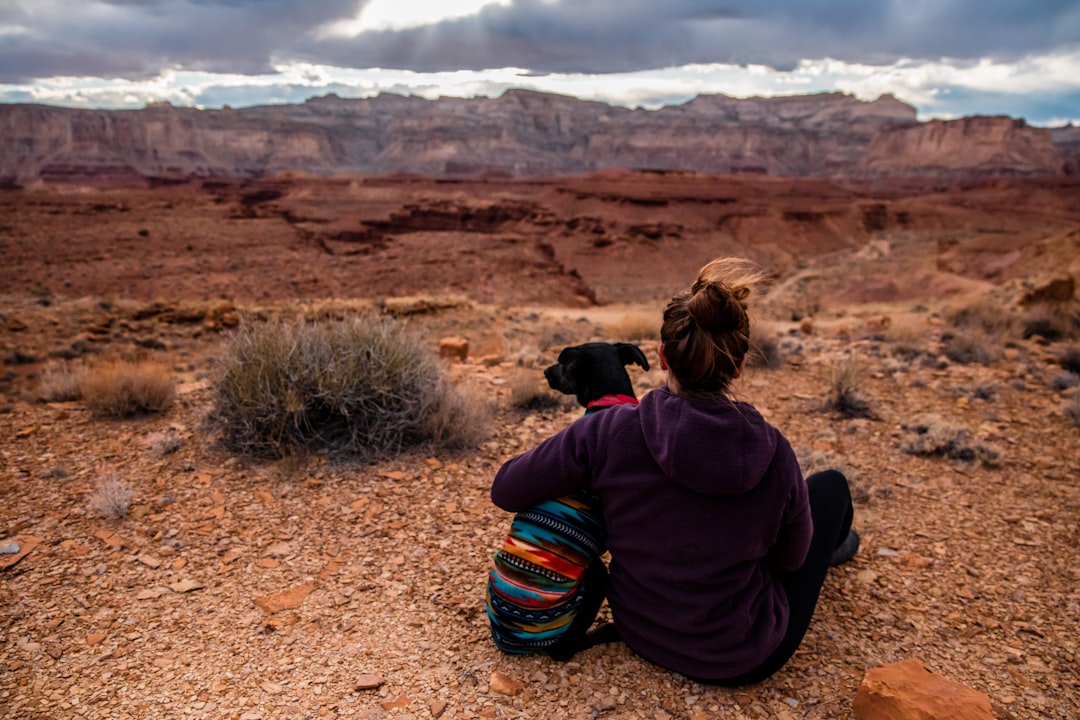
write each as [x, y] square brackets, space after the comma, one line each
[378, 570]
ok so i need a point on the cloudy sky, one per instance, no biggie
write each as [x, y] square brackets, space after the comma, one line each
[948, 58]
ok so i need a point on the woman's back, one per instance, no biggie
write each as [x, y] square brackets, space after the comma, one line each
[703, 500]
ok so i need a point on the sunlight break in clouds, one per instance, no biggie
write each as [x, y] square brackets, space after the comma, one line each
[380, 15]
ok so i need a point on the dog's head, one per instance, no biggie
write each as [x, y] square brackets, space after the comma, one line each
[593, 370]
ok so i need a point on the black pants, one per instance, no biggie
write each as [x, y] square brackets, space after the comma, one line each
[831, 509]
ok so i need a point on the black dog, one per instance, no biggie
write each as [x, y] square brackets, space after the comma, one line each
[594, 371]
[548, 580]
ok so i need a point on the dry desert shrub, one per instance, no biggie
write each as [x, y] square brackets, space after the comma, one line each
[635, 326]
[61, 383]
[123, 388]
[527, 392]
[463, 417]
[970, 346]
[991, 318]
[908, 338]
[765, 351]
[1064, 381]
[1052, 321]
[1072, 411]
[362, 387]
[933, 437]
[815, 461]
[163, 443]
[844, 396]
[56, 472]
[111, 499]
[1070, 360]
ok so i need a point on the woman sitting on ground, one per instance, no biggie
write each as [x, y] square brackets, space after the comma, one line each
[719, 547]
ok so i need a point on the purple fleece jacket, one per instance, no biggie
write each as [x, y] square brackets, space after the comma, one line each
[705, 507]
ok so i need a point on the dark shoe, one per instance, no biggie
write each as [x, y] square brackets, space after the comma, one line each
[845, 550]
[602, 634]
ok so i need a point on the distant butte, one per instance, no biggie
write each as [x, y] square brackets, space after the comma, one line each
[524, 134]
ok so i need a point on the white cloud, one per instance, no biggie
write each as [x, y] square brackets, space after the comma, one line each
[938, 90]
[379, 15]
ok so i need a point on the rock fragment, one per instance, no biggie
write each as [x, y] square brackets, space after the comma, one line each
[368, 682]
[503, 684]
[909, 691]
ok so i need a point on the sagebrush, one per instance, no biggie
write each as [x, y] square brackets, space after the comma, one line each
[1053, 322]
[844, 396]
[636, 326]
[527, 392]
[934, 437]
[61, 383]
[361, 386]
[123, 388]
[765, 349]
[111, 499]
[970, 346]
[1072, 411]
[1070, 360]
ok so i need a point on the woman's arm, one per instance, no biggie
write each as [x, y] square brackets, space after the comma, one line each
[555, 467]
[796, 524]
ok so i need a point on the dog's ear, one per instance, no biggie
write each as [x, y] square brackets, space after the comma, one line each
[629, 353]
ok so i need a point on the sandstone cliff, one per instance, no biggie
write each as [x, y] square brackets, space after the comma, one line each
[521, 133]
[984, 145]
[1067, 141]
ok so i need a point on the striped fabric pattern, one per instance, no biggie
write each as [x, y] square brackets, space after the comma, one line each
[534, 589]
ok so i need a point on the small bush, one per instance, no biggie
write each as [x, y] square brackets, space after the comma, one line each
[163, 443]
[1070, 360]
[1072, 411]
[844, 396]
[765, 349]
[983, 317]
[527, 393]
[124, 388]
[1051, 322]
[60, 383]
[908, 339]
[1065, 380]
[56, 472]
[362, 387]
[636, 326]
[932, 437]
[462, 419]
[111, 500]
[971, 346]
[815, 461]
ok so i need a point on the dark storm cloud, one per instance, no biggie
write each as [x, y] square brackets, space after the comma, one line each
[140, 38]
[628, 35]
[135, 38]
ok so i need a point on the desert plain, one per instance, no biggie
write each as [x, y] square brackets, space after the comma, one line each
[246, 588]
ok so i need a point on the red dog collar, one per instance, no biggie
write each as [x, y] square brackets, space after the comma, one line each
[609, 400]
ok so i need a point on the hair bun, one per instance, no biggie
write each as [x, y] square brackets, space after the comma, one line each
[706, 330]
[716, 308]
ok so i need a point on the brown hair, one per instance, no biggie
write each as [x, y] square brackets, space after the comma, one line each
[706, 330]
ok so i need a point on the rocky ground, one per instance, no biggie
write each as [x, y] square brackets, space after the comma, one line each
[236, 588]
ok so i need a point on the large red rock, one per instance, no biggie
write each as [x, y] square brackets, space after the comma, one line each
[909, 691]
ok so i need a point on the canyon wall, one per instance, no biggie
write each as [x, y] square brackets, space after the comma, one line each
[999, 146]
[520, 133]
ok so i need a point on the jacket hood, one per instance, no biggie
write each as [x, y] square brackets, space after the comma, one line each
[711, 446]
